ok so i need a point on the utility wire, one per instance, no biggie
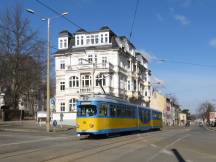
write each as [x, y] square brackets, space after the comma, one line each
[184, 62]
[132, 26]
[58, 13]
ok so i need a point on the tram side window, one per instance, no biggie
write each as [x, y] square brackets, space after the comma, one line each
[141, 115]
[103, 111]
[158, 116]
[147, 116]
[119, 112]
[113, 111]
[144, 115]
[123, 111]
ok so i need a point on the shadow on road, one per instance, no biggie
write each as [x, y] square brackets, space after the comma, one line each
[178, 155]
[113, 135]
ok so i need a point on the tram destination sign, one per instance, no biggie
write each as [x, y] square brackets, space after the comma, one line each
[85, 103]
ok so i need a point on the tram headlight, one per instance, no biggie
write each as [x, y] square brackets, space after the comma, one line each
[91, 125]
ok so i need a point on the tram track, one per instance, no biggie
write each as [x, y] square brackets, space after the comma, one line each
[75, 156]
[115, 142]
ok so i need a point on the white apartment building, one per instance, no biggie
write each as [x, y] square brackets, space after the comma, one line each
[94, 63]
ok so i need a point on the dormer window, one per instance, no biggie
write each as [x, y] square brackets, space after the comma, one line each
[87, 40]
[65, 43]
[92, 39]
[61, 42]
[64, 38]
[96, 39]
[77, 41]
[82, 40]
[102, 39]
[106, 38]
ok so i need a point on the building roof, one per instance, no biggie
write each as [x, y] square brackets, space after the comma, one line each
[81, 31]
[103, 28]
[64, 33]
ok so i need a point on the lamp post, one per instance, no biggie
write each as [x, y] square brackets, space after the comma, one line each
[48, 127]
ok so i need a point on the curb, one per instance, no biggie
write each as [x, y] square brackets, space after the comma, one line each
[34, 131]
[20, 130]
[210, 129]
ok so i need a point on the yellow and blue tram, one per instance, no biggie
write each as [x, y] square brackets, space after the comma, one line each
[111, 115]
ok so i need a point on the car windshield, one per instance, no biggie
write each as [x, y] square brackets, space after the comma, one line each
[87, 110]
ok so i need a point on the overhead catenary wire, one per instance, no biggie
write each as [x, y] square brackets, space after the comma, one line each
[134, 17]
[184, 63]
[58, 13]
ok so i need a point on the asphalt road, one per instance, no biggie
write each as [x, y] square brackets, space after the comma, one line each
[194, 144]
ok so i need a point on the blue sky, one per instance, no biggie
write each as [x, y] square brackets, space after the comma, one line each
[175, 30]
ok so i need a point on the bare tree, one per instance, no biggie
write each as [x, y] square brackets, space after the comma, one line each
[204, 110]
[21, 53]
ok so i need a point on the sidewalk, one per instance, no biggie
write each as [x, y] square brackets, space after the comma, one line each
[210, 128]
[31, 126]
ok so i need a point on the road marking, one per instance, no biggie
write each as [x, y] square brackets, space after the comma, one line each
[32, 141]
[153, 145]
[166, 147]
[165, 151]
[189, 161]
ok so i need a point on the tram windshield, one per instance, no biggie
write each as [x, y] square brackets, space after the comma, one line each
[87, 110]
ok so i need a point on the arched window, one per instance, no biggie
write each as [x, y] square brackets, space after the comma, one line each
[100, 78]
[86, 80]
[73, 81]
[72, 104]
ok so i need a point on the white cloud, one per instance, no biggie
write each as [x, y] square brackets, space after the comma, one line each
[182, 19]
[212, 42]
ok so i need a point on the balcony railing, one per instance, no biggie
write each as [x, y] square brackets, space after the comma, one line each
[85, 90]
[90, 66]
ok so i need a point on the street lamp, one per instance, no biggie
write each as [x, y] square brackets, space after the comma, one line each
[48, 62]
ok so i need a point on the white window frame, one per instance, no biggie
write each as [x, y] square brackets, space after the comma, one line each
[129, 86]
[60, 43]
[106, 39]
[62, 107]
[92, 39]
[90, 59]
[62, 85]
[100, 78]
[104, 61]
[102, 38]
[86, 79]
[95, 59]
[62, 65]
[72, 104]
[65, 43]
[82, 41]
[96, 39]
[74, 82]
[77, 41]
[88, 39]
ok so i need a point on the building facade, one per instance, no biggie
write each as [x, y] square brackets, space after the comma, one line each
[182, 119]
[158, 102]
[99, 62]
